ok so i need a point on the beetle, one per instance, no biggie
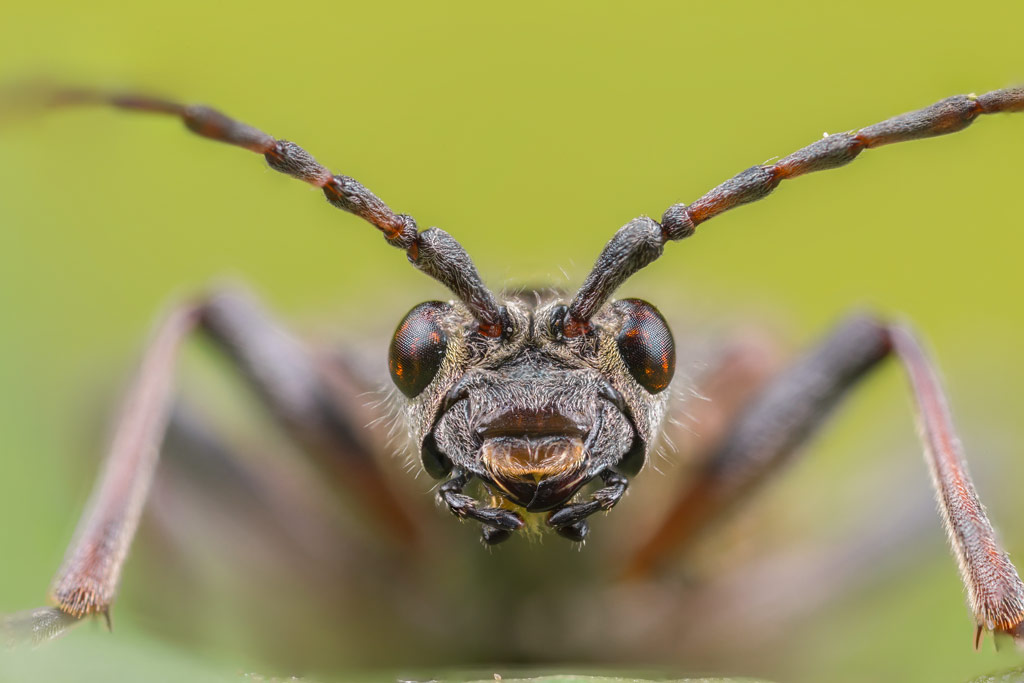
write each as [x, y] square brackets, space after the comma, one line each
[548, 403]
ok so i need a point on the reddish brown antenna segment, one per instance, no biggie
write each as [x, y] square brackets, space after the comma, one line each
[631, 249]
[442, 258]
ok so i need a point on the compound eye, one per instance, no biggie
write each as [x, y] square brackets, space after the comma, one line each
[418, 348]
[646, 345]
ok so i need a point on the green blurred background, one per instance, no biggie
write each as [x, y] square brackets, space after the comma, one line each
[530, 131]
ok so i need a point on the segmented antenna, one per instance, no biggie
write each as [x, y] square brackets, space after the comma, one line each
[640, 242]
[432, 251]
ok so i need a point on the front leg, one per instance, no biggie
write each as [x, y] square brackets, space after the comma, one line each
[299, 392]
[781, 418]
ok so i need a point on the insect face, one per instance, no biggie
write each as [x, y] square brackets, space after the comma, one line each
[533, 414]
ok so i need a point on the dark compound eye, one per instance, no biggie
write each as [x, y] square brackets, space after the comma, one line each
[417, 348]
[645, 344]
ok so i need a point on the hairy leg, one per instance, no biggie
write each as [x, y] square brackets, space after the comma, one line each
[299, 391]
[781, 418]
